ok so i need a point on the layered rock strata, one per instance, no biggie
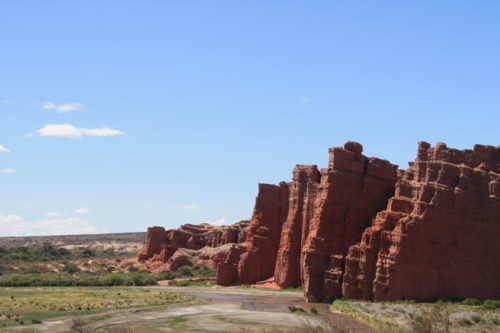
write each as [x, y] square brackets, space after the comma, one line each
[303, 192]
[439, 235]
[362, 229]
[352, 190]
[255, 259]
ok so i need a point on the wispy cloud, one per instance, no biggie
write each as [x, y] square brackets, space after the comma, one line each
[221, 221]
[62, 108]
[15, 225]
[82, 211]
[7, 170]
[304, 99]
[54, 214]
[70, 131]
[187, 207]
[4, 150]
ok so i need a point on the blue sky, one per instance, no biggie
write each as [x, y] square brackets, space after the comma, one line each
[119, 115]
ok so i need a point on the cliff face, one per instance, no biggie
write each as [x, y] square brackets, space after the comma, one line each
[255, 259]
[303, 192]
[352, 190]
[438, 236]
[362, 229]
[154, 240]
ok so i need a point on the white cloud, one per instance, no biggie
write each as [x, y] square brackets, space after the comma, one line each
[304, 99]
[4, 150]
[221, 221]
[187, 207]
[82, 211]
[7, 170]
[70, 131]
[62, 108]
[15, 225]
[10, 218]
[54, 214]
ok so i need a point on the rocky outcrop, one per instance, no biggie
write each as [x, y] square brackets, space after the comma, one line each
[195, 237]
[161, 245]
[154, 240]
[363, 229]
[352, 190]
[438, 236]
[255, 259]
[360, 228]
[303, 191]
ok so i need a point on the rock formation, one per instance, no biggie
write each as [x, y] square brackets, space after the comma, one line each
[303, 192]
[361, 229]
[352, 190]
[439, 235]
[172, 248]
[255, 259]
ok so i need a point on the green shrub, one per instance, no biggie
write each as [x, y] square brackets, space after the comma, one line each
[202, 271]
[36, 321]
[87, 253]
[166, 275]
[464, 322]
[296, 309]
[491, 304]
[70, 268]
[476, 319]
[184, 271]
[471, 302]
[314, 311]
[142, 279]
[441, 301]
[179, 283]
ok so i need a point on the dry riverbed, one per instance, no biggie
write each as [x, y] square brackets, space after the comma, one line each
[195, 309]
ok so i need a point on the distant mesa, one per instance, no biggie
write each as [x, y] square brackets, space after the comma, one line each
[360, 229]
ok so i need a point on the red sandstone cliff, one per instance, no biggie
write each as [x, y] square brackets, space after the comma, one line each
[255, 259]
[303, 192]
[439, 236]
[362, 229]
[352, 190]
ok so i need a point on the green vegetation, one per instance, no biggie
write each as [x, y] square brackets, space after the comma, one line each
[476, 319]
[77, 279]
[201, 271]
[33, 305]
[314, 311]
[299, 288]
[491, 304]
[409, 316]
[434, 319]
[187, 283]
[471, 302]
[40, 254]
[464, 322]
[179, 283]
[296, 309]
